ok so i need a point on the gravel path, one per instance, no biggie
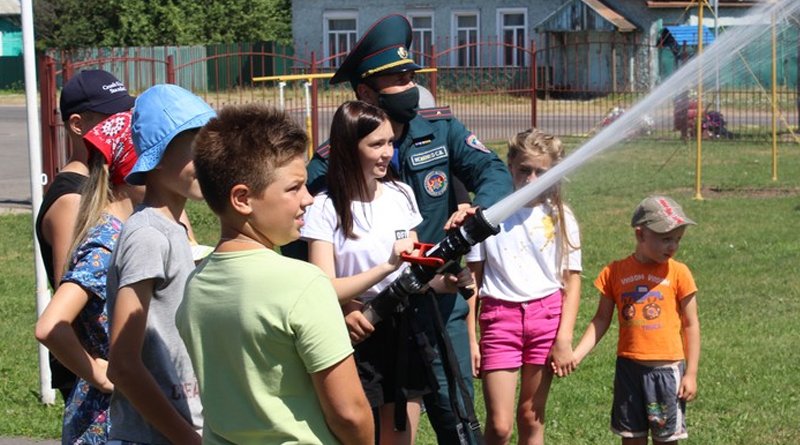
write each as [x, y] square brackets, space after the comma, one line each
[24, 441]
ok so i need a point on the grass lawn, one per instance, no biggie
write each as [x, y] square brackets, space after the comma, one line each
[744, 254]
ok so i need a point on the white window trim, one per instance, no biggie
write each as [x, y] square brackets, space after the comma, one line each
[335, 15]
[454, 32]
[412, 13]
[506, 11]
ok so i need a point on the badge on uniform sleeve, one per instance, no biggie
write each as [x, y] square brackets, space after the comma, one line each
[473, 142]
[436, 183]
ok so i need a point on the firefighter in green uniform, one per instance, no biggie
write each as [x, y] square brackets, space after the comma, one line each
[431, 149]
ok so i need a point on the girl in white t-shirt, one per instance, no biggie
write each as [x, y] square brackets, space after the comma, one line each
[356, 232]
[529, 281]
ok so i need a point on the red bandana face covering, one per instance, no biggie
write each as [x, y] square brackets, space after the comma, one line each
[112, 138]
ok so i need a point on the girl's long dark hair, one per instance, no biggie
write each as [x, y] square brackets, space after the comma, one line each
[352, 122]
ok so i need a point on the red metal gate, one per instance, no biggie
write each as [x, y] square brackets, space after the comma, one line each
[221, 78]
[493, 99]
[55, 142]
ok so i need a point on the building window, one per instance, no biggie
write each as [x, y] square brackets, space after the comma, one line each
[466, 35]
[340, 35]
[422, 25]
[512, 24]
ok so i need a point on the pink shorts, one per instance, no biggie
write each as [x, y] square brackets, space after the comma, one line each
[513, 334]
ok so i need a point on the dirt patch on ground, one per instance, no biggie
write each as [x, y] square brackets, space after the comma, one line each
[13, 210]
[13, 100]
[744, 192]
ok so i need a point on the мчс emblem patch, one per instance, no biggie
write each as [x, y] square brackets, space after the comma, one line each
[436, 183]
[473, 142]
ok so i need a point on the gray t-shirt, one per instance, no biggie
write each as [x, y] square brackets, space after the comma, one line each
[151, 246]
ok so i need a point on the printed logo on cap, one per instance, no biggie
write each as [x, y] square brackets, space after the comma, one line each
[436, 183]
[115, 87]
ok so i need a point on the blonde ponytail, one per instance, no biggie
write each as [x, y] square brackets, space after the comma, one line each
[95, 197]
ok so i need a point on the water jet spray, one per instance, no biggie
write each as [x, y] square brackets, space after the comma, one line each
[445, 255]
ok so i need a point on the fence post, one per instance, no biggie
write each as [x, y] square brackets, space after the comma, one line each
[613, 67]
[62, 147]
[171, 69]
[534, 79]
[434, 73]
[66, 68]
[314, 138]
[47, 89]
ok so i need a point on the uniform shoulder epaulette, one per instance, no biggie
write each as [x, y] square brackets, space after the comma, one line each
[323, 150]
[436, 113]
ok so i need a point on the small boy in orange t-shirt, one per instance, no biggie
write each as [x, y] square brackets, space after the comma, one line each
[659, 331]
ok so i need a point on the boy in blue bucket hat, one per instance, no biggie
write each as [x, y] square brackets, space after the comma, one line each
[156, 399]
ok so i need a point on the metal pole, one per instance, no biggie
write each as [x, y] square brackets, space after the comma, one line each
[308, 119]
[534, 80]
[774, 99]
[716, 59]
[699, 123]
[47, 394]
[281, 86]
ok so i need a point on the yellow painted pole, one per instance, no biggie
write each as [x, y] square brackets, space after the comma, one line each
[774, 100]
[308, 77]
[309, 129]
[699, 123]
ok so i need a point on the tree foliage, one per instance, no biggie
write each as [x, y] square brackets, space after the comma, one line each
[67, 24]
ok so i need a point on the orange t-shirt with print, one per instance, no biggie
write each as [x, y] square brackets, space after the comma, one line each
[648, 298]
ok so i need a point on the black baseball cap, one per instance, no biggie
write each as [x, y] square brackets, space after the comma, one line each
[94, 90]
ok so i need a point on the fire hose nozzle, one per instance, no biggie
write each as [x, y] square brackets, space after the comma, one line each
[442, 257]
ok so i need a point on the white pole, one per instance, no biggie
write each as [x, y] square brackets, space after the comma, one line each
[281, 87]
[48, 395]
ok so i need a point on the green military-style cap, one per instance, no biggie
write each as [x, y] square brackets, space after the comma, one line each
[383, 49]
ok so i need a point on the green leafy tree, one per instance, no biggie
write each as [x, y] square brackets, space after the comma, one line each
[70, 23]
[228, 21]
[66, 24]
[155, 22]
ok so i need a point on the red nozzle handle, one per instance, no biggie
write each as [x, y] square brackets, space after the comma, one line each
[421, 259]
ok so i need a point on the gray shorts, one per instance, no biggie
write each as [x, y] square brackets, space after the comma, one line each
[646, 399]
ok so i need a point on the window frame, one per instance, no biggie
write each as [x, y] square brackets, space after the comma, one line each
[501, 29]
[352, 36]
[416, 44]
[455, 29]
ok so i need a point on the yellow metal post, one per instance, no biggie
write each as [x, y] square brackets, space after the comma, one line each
[307, 86]
[774, 100]
[698, 128]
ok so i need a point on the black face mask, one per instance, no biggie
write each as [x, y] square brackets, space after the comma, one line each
[401, 107]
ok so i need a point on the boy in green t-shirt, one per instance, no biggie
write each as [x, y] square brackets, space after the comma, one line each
[273, 364]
